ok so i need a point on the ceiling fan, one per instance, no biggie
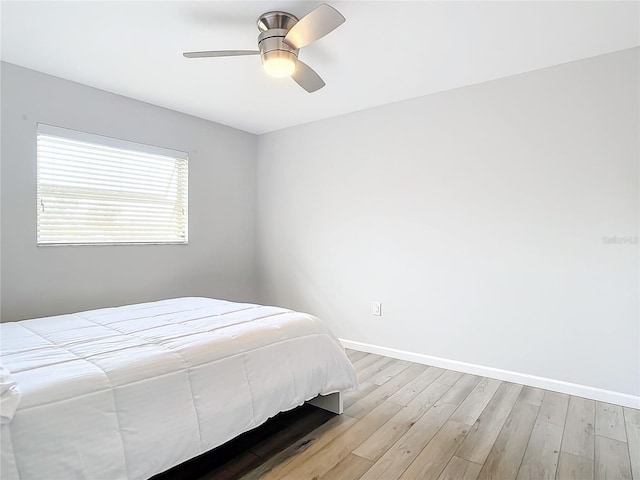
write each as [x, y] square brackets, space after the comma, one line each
[281, 37]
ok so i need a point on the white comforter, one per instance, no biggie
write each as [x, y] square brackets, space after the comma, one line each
[129, 392]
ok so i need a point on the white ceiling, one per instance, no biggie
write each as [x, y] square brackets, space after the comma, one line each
[385, 52]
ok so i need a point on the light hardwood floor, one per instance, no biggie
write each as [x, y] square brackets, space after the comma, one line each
[411, 421]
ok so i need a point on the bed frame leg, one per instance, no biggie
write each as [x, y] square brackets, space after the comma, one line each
[331, 402]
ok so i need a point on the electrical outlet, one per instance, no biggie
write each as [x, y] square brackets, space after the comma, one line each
[377, 309]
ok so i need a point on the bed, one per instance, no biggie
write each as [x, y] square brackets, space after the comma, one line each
[129, 392]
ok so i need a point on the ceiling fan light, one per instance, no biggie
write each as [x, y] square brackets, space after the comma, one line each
[279, 63]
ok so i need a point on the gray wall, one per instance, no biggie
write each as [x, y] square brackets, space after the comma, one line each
[476, 216]
[220, 258]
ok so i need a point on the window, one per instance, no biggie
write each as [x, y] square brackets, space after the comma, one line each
[100, 190]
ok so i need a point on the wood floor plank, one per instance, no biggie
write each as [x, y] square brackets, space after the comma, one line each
[350, 468]
[461, 389]
[313, 464]
[365, 361]
[571, 467]
[433, 458]
[472, 406]
[579, 428]
[396, 460]
[364, 389]
[540, 460]
[415, 386]
[612, 460]
[485, 430]
[533, 395]
[506, 455]
[554, 408]
[369, 372]
[355, 355]
[633, 440]
[631, 415]
[389, 372]
[241, 464]
[320, 437]
[285, 437]
[610, 421]
[363, 406]
[460, 469]
[378, 443]
[450, 377]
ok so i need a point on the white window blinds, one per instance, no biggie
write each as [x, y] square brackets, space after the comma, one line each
[99, 190]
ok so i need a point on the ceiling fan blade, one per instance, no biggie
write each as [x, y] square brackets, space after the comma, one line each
[307, 78]
[313, 26]
[221, 53]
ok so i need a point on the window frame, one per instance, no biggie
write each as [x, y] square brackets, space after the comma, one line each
[110, 142]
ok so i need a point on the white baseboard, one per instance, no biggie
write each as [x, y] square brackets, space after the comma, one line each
[585, 391]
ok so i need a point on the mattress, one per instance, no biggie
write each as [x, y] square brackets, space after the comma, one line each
[131, 391]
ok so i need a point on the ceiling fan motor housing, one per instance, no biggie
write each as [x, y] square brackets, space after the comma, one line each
[273, 27]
